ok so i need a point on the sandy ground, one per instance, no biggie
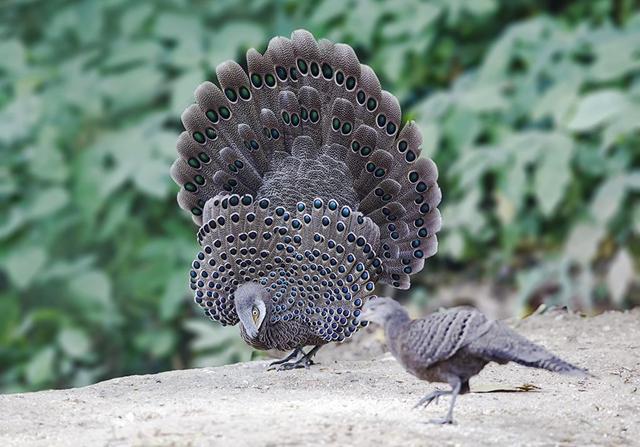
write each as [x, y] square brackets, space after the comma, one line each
[355, 402]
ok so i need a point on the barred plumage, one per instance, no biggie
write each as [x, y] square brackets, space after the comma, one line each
[302, 181]
[454, 345]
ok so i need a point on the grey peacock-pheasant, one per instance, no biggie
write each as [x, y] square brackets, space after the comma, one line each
[454, 345]
[307, 192]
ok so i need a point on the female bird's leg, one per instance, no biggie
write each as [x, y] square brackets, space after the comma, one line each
[303, 362]
[294, 354]
[455, 390]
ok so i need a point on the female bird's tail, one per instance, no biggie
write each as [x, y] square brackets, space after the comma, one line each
[502, 345]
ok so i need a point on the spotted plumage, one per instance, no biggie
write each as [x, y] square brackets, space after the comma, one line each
[303, 181]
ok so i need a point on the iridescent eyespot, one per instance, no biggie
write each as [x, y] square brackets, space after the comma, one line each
[199, 137]
[244, 93]
[302, 66]
[282, 73]
[256, 80]
[327, 71]
[230, 94]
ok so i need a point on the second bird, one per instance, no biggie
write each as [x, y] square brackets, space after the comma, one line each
[454, 345]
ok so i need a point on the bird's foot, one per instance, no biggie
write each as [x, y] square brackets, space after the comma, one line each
[442, 421]
[303, 362]
[432, 396]
[294, 355]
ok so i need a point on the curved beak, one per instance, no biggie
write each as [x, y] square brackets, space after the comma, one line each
[247, 321]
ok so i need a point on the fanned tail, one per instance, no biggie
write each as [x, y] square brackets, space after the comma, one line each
[309, 107]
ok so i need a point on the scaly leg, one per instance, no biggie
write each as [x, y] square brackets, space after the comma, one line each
[303, 362]
[449, 417]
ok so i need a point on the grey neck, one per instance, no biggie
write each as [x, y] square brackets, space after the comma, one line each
[394, 326]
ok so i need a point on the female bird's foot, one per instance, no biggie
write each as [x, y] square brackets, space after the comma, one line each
[434, 395]
[443, 421]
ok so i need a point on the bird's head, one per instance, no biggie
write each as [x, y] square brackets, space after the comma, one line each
[380, 309]
[250, 301]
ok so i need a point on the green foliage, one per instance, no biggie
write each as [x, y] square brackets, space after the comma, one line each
[531, 113]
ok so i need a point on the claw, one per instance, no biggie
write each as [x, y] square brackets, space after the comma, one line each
[443, 421]
[294, 354]
[303, 362]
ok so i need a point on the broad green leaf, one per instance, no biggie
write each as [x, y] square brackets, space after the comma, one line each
[9, 316]
[174, 296]
[234, 38]
[430, 139]
[127, 52]
[208, 335]
[633, 180]
[152, 178]
[620, 276]
[452, 244]
[23, 264]
[48, 163]
[156, 343]
[74, 342]
[553, 173]
[182, 92]
[40, 368]
[12, 221]
[135, 17]
[434, 107]
[18, 118]
[462, 127]
[622, 128]
[89, 17]
[495, 63]
[67, 269]
[483, 98]
[608, 199]
[12, 56]
[596, 109]
[328, 10]
[476, 162]
[583, 241]
[134, 88]
[506, 207]
[47, 202]
[93, 287]
[557, 102]
[173, 26]
[615, 55]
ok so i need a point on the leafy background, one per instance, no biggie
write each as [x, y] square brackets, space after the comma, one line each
[530, 108]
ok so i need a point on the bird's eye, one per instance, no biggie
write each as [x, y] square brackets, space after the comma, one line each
[255, 313]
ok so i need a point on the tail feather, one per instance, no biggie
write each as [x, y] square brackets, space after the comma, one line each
[312, 101]
[502, 345]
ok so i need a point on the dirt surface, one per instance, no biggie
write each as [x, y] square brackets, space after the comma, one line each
[355, 402]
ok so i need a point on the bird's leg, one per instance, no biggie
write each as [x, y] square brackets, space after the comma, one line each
[455, 390]
[293, 355]
[434, 395]
[303, 362]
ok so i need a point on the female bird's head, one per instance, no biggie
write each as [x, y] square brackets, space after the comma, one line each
[250, 302]
[379, 310]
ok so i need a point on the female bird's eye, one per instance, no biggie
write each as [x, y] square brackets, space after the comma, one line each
[255, 313]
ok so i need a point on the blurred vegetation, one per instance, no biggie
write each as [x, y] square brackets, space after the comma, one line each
[530, 108]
